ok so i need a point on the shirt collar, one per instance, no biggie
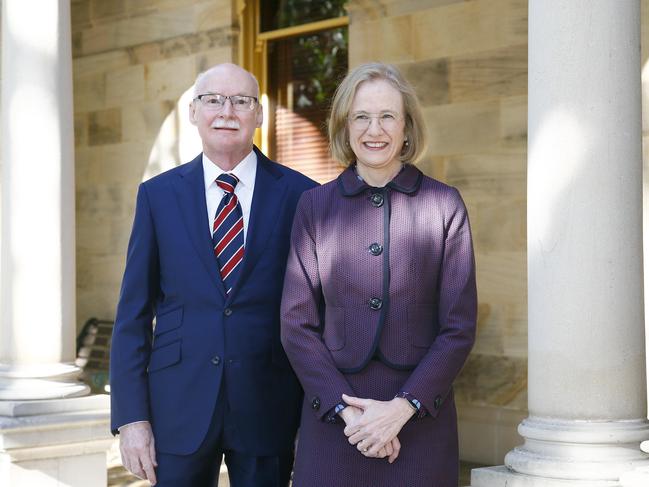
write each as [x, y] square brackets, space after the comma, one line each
[407, 181]
[245, 170]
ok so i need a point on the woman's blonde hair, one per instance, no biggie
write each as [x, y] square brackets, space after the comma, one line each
[415, 130]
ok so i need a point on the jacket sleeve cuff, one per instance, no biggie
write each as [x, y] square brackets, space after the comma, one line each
[420, 409]
[119, 429]
[332, 415]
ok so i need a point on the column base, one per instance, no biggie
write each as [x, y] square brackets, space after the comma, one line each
[56, 443]
[43, 381]
[503, 477]
[640, 476]
[637, 478]
[578, 449]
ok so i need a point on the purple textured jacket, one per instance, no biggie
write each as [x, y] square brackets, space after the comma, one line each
[382, 274]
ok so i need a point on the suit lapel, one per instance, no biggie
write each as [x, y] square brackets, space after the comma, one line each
[267, 200]
[190, 192]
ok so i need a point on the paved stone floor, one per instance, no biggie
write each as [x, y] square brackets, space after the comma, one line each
[119, 477]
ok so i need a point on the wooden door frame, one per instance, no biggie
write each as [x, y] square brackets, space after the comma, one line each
[253, 51]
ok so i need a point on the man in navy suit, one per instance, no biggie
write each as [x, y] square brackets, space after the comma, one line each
[210, 379]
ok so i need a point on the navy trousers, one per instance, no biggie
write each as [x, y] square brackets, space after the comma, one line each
[201, 469]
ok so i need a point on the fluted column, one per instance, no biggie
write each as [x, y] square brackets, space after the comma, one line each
[587, 384]
[37, 319]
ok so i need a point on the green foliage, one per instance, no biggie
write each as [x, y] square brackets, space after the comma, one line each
[296, 12]
[322, 57]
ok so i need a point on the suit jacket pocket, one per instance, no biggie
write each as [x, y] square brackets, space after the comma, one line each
[422, 325]
[168, 320]
[165, 356]
[334, 328]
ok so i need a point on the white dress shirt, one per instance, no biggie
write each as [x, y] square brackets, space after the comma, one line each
[246, 171]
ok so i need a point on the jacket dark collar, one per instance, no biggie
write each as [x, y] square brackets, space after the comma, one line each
[407, 181]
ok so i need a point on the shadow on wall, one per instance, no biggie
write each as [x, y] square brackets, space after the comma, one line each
[177, 141]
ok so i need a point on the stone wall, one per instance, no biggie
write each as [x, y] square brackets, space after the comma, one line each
[468, 62]
[133, 60]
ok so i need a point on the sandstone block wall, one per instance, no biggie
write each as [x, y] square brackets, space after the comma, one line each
[133, 59]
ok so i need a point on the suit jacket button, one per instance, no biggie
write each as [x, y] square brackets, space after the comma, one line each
[438, 402]
[377, 200]
[315, 403]
[216, 360]
[376, 249]
[227, 311]
[376, 303]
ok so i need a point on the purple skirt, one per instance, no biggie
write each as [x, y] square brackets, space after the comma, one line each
[429, 446]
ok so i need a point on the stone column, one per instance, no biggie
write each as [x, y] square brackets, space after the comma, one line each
[46, 438]
[37, 323]
[587, 383]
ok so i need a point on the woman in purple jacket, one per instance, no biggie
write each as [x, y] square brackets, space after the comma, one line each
[379, 305]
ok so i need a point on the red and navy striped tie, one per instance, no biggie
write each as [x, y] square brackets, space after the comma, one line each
[227, 232]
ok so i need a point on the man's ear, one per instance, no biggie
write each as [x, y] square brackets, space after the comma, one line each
[260, 115]
[192, 113]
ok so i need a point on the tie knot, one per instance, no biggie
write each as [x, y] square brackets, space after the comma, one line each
[227, 182]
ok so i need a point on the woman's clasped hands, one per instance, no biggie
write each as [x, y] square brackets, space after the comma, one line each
[373, 425]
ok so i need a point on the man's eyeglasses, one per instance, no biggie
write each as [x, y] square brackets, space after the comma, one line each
[362, 120]
[240, 103]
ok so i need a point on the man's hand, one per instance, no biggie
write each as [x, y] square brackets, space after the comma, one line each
[137, 446]
[380, 423]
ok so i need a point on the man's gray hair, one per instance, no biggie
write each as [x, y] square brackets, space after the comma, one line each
[203, 75]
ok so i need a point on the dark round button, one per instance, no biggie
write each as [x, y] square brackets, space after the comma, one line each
[315, 403]
[376, 249]
[216, 360]
[377, 200]
[227, 311]
[376, 303]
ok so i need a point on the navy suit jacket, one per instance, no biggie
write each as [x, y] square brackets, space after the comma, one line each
[171, 374]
